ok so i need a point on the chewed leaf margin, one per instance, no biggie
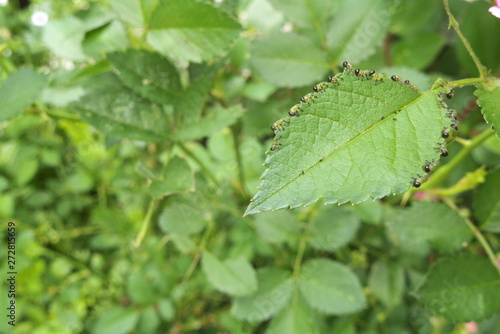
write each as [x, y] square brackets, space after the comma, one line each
[440, 91]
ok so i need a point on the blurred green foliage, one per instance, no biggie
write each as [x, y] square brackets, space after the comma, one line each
[133, 135]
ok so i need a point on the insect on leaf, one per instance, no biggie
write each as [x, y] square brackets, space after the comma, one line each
[358, 136]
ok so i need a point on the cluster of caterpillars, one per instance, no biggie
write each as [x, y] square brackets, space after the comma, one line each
[448, 133]
[320, 87]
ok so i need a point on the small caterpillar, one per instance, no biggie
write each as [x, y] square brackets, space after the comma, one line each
[294, 111]
[307, 98]
[419, 180]
[429, 165]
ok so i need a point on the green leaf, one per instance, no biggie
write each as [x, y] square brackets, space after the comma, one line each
[475, 26]
[94, 17]
[218, 119]
[288, 60]
[115, 110]
[128, 10]
[298, 318]
[417, 50]
[333, 228]
[429, 224]
[307, 14]
[344, 326]
[369, 212]
[181, 218]
[273, 294]
[488, 98]
[387, 282]
[19, 91]
[487, 203]
[64, 37]
[408, 17]
[359, 138]
[116, 320]
[188, 30]
[166, 309]
[358, 29]
[463, 288]
[140, 289]
[189, 104]
[149, 320]
[235, 277]
[178, 178]
[147, 74]
[277, 227]
[331, 287]
[108, 38]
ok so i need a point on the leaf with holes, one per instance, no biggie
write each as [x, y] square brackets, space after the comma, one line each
[359, 136]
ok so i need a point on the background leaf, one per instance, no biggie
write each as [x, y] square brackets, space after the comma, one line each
[235, 277]
[454, 289]
[188, 30]
[333, 228]
[147, 74]
[65, 36]
[487, 203]
[181, 218]
[217, 119]
[128, 10]
[295, 319]
[177, 178]
[488, 97]
[358, 29]
[475, 26]
[19, 91]
[376, 130]
[417, 51]
[277, 227]
[429, 224]
[115, 110]
[331, 287]
[190, 103]
[387, 282]
[307, 14]
[116, 321]
[273, 294]
[288, 60]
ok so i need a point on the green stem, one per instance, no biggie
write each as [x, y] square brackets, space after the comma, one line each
[465, 82]
[300, 254]
[303, 242]
[442, 173]
[201, 247]
[63, 115]
[239, 160]
[482, 70]
[477, 233]
[145, 223]
[40, 108]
